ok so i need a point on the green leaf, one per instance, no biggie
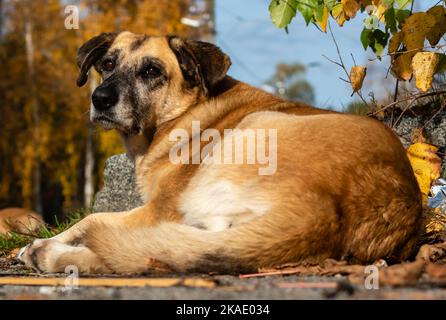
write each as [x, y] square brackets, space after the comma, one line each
[306, 8]
[378, 48]
[365, 37]
[282, 12]
[378, 41]
[319, 12]
[403, 3]
[390, 19]
[388, 3]
[401, 15]
[330, 4]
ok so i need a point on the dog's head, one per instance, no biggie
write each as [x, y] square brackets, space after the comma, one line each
[148, 80]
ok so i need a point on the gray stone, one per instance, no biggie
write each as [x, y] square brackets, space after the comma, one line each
[434, 130]
[119, 192]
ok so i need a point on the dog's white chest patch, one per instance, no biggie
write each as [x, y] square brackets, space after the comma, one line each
[217, 204]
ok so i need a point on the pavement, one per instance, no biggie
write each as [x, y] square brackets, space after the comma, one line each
[222, 287]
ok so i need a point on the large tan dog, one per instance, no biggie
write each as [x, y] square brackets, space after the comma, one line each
[341, 186]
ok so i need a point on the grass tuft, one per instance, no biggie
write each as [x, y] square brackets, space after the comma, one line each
[14, 240]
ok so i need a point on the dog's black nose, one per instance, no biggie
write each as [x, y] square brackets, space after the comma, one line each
[104, 98]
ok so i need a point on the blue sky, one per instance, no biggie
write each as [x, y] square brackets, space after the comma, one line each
[245, 32]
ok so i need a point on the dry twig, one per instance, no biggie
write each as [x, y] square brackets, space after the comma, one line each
[342, 65]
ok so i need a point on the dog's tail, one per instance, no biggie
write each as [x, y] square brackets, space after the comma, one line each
[188, 249]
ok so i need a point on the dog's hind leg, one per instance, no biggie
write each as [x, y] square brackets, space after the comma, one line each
[270, 240]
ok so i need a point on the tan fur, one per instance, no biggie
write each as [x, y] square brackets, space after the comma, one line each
[19, 220]
[343, 189]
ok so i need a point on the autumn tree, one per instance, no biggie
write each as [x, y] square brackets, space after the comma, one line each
[59, 141]
[290, 83]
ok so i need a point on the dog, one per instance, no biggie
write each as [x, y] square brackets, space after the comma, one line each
[20, 220]
[341, 186]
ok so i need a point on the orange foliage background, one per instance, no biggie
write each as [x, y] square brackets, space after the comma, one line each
[63, 107]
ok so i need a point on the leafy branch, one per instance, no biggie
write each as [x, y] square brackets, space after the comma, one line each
[388, 24]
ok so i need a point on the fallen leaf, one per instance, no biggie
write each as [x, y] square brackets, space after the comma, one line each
[431, 252]
[395, 275]
[436, 271]
[357, 75]
[425, 164]
[13, 253]
[436, 221]
[329, 267]
[424, 65]
[401, 274]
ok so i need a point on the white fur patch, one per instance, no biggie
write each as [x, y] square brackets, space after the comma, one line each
[217, 204]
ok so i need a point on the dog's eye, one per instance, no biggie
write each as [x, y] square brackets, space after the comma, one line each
[151, 72]
[108, 65]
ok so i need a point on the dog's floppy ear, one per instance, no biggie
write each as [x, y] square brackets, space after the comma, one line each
[201, 63]
[90, 52]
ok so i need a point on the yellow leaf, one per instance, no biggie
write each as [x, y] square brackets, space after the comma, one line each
[357, 75]
[425, 164]
[323, 22]
[342, 18]
[402, 66]
[415, 29]
[424, 65]
[337, 10]
[350, 8]
[338, 13]
[438, 14]
[380, 11]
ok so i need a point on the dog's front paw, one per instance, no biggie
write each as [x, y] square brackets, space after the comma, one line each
[41, 255]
